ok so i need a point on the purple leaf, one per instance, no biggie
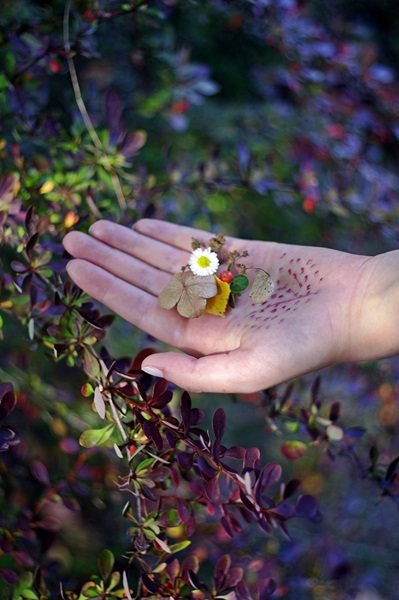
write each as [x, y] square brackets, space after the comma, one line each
[8, 437]
[185, 460]
[242, 591]
[234, 576]
[219, 423]
[206, 469]
[355, 432]
[226, 525]
[182, 511]
[235, 452]
[271, 474]
[39, 472]
[113, 112]
[284, 511]
[307, 508]
[252, 455]
[7, 400]
[212, 489]
[268, 587]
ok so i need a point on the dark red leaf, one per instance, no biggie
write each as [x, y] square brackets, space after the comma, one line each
[185, 408]
[28, 218]
[195, 582]
[185, 460]
[190, 527]
[182, 511]
[149, 583]
[334, 411]
[314, 392]
[391, 469]
[247, 503]
[219, 423]
[291, 488]
[196, 416]
[7, 400]
[31, 244]
[135, 367]
[147, 493]
[9, 576]
[222, 566]
[23, 559]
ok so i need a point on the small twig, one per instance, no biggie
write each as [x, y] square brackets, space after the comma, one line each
[75, 83]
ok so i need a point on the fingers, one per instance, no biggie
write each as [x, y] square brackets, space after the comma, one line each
[123, 266]
[169, 233]
[232, 372]
[163, 255]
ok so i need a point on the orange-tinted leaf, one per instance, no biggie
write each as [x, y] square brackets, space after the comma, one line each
[293, 449]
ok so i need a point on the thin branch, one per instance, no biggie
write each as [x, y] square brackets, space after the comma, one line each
[75, 83]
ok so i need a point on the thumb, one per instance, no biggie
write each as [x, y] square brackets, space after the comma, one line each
[230, 372]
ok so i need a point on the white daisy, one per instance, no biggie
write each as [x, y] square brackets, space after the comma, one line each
[203, 262]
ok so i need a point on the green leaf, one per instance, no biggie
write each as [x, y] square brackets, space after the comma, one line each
[179, 546]
[96, 437]
[115, 579]
[106, 563]
[91, 365]
[144, 464]
[239, 283]
[29, 595]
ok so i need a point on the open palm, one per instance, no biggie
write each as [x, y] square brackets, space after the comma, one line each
[307, 323]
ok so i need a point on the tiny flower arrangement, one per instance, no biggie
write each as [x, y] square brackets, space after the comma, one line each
[197, 288]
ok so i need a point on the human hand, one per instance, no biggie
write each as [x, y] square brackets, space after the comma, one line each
[323, 309]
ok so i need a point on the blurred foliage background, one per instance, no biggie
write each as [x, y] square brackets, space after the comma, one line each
[269, 119]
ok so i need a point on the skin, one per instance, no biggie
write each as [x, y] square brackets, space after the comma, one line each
[328, 306]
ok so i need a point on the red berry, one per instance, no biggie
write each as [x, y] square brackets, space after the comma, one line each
[226, 276]
[55, 66]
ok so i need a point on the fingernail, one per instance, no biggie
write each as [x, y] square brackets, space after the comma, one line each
[152, 371]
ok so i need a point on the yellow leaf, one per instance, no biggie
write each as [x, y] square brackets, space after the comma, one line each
[70, 219]
[218, 304]
[47, 187]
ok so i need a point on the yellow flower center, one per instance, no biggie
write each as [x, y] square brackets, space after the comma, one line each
[203, 262]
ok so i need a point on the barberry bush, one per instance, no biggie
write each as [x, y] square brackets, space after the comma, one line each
[262, 118]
